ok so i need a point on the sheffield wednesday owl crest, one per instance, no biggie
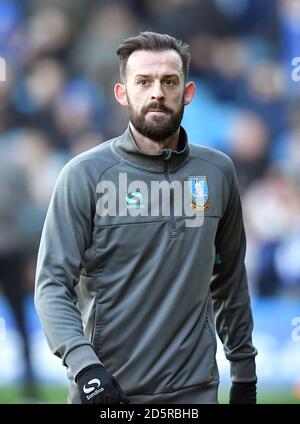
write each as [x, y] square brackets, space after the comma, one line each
[200, 193]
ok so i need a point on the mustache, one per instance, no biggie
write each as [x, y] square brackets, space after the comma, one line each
[156, 106]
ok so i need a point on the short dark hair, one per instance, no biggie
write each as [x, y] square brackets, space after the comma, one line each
[156, 42]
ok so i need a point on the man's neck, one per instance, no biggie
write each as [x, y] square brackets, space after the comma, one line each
[148, 146]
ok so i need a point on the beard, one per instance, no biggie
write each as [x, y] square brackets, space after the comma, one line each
[158, 129]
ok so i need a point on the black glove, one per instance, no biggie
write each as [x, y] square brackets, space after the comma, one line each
[242, 393]
[97, 386]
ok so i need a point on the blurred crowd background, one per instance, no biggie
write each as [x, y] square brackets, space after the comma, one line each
[57, 101]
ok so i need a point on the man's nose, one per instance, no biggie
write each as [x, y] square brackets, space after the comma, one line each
[157, 92]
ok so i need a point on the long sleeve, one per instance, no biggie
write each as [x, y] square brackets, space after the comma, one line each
[229, 287]
[65, 237]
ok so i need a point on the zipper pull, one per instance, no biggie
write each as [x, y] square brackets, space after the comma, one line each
[166, 153]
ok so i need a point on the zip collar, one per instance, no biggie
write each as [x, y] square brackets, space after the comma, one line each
[126, 147]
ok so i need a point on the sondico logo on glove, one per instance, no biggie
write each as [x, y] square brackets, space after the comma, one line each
[97, 386]
[91, 386]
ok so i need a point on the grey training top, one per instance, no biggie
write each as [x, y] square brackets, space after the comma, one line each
[138, 292]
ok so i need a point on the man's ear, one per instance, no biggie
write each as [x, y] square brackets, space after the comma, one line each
[189, 92]
[120, 94]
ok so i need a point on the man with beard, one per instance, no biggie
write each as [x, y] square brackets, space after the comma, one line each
[129, 299]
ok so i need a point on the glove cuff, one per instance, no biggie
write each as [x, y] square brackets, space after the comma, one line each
[90, 367]
[243, 393]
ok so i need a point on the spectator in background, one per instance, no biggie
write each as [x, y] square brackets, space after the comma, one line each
[15, 201]
[249, 143]
[29, 166]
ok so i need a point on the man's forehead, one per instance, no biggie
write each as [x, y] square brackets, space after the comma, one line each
[144, 62]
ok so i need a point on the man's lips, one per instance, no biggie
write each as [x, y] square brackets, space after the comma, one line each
[157, 110]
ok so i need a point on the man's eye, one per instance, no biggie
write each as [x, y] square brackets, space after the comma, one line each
[169, 82]
[143, 82]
